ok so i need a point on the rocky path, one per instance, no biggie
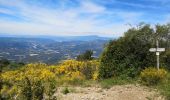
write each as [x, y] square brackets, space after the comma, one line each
[119, 92]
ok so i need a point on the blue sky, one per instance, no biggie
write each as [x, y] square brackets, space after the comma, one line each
[79, 17]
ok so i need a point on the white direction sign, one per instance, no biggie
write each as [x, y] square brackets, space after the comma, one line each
[152, 49]
[157, 49]
[160, 49]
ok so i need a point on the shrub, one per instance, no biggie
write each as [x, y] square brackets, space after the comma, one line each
[152, 76]
[85, 56]
[38, 81]
[96, 75]
[130, 52]
[90, 68]
[65, 90]
[77, 69]
[34, 81]
[166, 59]
[164, 87]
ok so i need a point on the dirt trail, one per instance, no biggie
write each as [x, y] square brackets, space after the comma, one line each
[119, 92]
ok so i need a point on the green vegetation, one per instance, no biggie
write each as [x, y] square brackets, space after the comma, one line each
[129, 55]
[31, 82]
[108, 83]
[164, 87]
[6, 65]
[85, 56]
[37, 81]
[166, 58]
[65, 90]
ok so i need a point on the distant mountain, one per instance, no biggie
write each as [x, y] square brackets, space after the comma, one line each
[77, 38]
[60, 38]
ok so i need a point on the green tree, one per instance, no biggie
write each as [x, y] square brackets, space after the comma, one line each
[166, 59]
[129, 54]
[85, 56]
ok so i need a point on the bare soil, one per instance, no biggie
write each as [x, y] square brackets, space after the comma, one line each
[118, 92]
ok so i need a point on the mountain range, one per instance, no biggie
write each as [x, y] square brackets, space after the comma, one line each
[59, 38]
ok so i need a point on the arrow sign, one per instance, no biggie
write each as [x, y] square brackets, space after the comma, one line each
[152, 49]
[157, 49]
[160, 49]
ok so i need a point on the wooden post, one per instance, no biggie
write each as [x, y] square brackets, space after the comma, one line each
[157, 50]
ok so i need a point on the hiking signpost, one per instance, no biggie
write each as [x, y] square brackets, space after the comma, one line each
[157, 50]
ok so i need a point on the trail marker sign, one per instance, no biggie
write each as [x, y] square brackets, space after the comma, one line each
[157, 50]
[152, 49]
[160, 49]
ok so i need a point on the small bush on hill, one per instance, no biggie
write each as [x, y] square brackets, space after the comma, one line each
[152, 76]
[85, 56]
[65, 90]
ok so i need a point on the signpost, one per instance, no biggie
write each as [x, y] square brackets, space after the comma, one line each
[157, 50]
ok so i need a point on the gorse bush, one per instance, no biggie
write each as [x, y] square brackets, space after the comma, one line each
[32, 82]
[152, 76]
[38, 81]
[73, 70]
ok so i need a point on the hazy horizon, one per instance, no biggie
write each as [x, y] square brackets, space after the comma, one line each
[46, 35]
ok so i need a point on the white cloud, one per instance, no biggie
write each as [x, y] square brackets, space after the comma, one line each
[90, 7]
[6, 11]
[84, 19]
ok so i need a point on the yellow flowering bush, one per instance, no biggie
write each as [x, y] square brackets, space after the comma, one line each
[77, 69]
[30, 82]
[96, 75]
[36, 81]
[152, 76]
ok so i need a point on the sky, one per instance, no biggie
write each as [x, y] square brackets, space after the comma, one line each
[109, 18]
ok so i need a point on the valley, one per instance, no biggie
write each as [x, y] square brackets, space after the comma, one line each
[48, 50]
